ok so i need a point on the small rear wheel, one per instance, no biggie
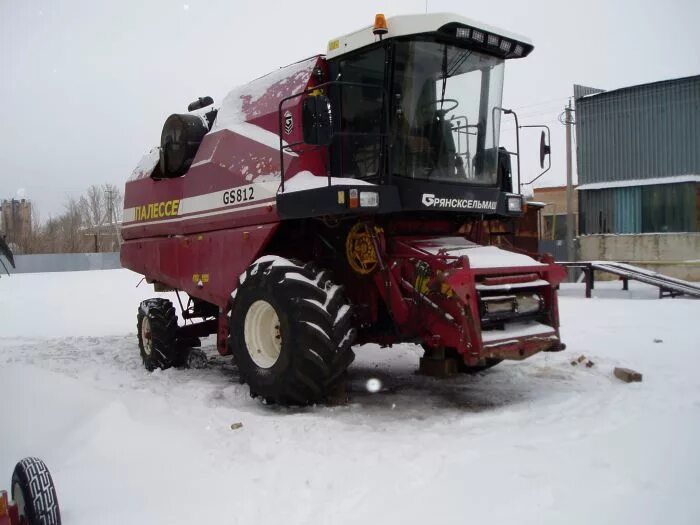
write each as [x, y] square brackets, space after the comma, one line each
[157, 334]
[291, 331]
[34, 493]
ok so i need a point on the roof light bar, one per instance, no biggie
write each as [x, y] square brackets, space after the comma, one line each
[462, 32]
[508, 47]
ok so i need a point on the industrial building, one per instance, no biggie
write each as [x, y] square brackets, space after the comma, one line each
[638, 158]
[552, 226]
[16, 222]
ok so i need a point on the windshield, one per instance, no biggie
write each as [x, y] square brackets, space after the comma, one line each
[445, 126]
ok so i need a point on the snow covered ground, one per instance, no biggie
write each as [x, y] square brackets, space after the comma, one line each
[534, 442]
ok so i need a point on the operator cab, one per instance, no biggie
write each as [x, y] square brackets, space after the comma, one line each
[414, 103]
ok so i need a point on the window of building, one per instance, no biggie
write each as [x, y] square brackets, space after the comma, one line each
[668, 208]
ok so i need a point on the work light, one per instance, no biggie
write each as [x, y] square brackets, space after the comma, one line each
[515, 204]
[369, 199]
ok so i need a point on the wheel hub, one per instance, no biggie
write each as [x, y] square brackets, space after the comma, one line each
[18, 496]
[261, 330]
[146, 336]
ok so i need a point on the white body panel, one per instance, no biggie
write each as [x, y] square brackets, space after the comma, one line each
[404, 25]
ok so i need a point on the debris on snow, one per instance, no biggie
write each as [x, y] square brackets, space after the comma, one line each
[627, 375]
[584, 361]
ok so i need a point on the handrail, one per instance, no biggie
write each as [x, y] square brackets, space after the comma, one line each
[517, 135]
[307, 91]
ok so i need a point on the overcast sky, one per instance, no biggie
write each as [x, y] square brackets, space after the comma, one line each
[85, 85]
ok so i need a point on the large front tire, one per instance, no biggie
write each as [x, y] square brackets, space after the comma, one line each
[291, 331]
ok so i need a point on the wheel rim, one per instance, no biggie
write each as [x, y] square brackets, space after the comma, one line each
[146, 336]
[263, 338]
[18, 496]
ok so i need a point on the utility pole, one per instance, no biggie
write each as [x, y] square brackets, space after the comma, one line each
[109, 192]
[570, 226]
[110, 215]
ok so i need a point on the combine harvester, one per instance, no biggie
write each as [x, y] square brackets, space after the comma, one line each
[356, 197]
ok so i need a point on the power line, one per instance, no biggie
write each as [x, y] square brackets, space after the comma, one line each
[534, 104]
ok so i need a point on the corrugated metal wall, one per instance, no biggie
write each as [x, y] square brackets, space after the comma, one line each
[628, 209]
[639, 132]
[640, 209]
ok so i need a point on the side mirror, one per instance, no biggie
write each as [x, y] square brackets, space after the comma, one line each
[317, 121]
[545, 150]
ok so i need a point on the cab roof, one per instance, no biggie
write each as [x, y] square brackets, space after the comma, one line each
[444, 24]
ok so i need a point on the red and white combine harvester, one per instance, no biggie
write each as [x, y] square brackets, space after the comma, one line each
[354, 197]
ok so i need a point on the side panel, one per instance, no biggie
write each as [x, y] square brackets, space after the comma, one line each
[241, 152]
[205, 265]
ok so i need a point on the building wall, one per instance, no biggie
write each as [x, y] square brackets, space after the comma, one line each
[553, 216]
[659, 208]
[673, 254]
[640, 132]
[16, 220]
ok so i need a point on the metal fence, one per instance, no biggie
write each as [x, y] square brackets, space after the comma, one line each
[65, 262]
[556, 247]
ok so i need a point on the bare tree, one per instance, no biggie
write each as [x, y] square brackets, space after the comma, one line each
[98, 213]
[90, 223]
[71, 223]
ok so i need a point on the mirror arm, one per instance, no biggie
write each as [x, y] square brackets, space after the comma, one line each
[517, 135]
[549, 157]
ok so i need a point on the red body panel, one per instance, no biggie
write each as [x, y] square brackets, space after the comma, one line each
[199, 232]
[445, 321]
[205, 265]
[228, 192]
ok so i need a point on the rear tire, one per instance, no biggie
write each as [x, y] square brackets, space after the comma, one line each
[291, 331]
[157, 334]
[34, 493]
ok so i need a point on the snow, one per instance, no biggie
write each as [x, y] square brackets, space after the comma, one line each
[624, 266]
[494, 257]
[146, 165]
[511, 286]
[532, 442]
[514, 330]
[676, 179]
[479, 256]
[234, 117]
[305, 180]
[261, 135]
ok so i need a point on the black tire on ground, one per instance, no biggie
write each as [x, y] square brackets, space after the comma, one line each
[463, 368]
[34, 492]
[309, 341]
[157, 334]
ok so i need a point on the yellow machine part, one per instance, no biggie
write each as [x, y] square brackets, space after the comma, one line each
[359, 249]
